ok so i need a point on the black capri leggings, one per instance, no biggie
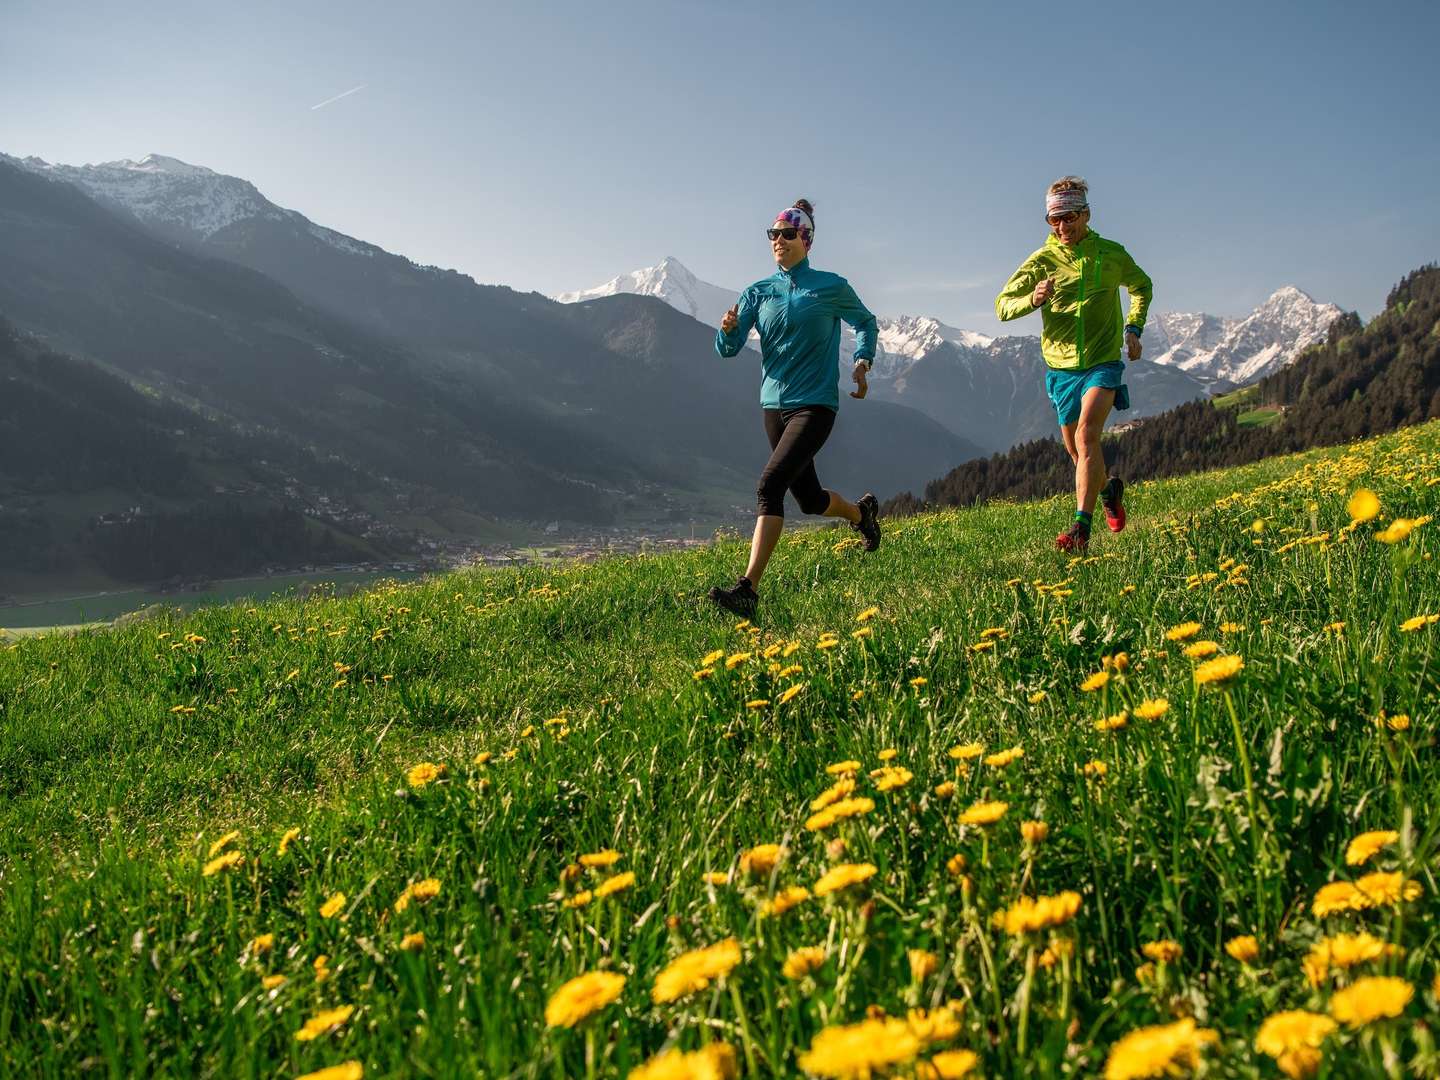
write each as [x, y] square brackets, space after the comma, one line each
[796, 436]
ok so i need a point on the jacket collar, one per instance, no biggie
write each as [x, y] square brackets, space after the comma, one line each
[1083, 248]
[801, 266]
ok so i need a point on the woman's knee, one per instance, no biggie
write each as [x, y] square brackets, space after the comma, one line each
[770, 498]
[814, 502]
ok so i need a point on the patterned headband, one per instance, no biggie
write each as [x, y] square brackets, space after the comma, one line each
[1063, 202]
[793, 215]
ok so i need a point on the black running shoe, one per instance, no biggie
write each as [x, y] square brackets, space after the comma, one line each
[869, 524]
[1111, 496]
[740, 600]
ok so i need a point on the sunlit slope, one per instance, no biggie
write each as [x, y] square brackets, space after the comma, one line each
[436, 759]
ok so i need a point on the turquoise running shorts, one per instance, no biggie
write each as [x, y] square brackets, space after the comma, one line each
[1067, 388]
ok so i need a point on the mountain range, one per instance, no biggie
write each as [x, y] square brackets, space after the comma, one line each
[991, 389]
[403, 397]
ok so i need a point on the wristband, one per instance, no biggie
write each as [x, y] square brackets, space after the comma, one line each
[1131, 328]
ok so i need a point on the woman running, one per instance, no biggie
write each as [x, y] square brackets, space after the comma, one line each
[798, 311]
[1075, 280]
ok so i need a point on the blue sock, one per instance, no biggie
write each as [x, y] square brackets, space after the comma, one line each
[1084, 519]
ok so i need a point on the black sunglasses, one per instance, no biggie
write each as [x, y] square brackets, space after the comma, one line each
[789, 233]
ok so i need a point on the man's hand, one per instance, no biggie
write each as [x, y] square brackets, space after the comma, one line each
[859, 375]
[1044, 289]
[731, 320]
[1132, 346]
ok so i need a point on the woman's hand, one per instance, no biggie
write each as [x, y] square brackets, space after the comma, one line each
[731, 320]
[1044, 289]
[862, 369]
[1132, 346]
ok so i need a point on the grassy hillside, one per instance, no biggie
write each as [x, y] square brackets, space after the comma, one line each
[215, 831]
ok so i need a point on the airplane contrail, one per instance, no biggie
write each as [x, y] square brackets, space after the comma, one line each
[337, 97]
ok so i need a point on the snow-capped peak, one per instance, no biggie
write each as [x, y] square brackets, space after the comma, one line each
[669, 280]
[1241, 350]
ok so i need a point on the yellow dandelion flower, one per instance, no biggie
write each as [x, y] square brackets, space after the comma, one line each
[1202, 650]
[1293, 1038]
[1162, 952]
[1034, 832]
[224, 842]
[1220, 670]
[1113, 723]
[582, 996]
[758, 703]
[735, 660]
[845, 808]
[350, 1070]
[1396, 531]
[1095, 682]
[1384, 889]
[601, 859]
[868, 614]
[421, 891]
[919, 681]
[262, 943]
[1335, 898]
[888, 754]
[1232, 628]
[891, 777]
[955, 865]
[1037, 697]
[954, 1064]
[1152, 709]
[1005, 757]
[858, 1051]
[580, 899]
[1031, 914]
[291, 835]
[324, 1022]
[803, 961]
[712, 658]
[968, 751]
[787, 898]
[412, 942]
[1096, 769]
[1374, 997]
[702, 674]
[274, 982]
[841, 767]
[1361, 849]
[713, 1062]
[612, 885]
[945, 789]
[1410, 625]
[1182, 631]
[693, 971]
[425, 773]
[833, 794]
[844, 876]
[333, 906]
[790, 692]
[761, 859]
[1363, 505]
[1244, 948]
[984, 813]
[923, 964]
[716, 877]
[982, 646]
[1162, 1050]
[227, 861]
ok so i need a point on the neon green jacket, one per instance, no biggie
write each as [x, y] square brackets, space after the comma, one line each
[1082, 326]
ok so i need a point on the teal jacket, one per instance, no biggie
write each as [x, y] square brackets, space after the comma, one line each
[798, 312]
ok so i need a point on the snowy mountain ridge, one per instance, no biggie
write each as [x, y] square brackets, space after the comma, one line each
[173, 194]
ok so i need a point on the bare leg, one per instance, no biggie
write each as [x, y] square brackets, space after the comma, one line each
[842, 507]
[768, 528]
[1089, 458]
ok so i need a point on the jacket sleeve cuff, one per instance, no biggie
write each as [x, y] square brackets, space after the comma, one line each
[1131, 328]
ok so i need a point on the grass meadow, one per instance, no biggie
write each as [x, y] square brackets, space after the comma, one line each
[964, 806]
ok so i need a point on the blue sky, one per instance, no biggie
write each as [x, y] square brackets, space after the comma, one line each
[1233, 148]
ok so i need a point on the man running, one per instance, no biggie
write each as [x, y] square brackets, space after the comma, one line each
[798, 310]
[1075, 281]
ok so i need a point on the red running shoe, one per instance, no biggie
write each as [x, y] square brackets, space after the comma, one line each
[1110, 498]
[1074, 539]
